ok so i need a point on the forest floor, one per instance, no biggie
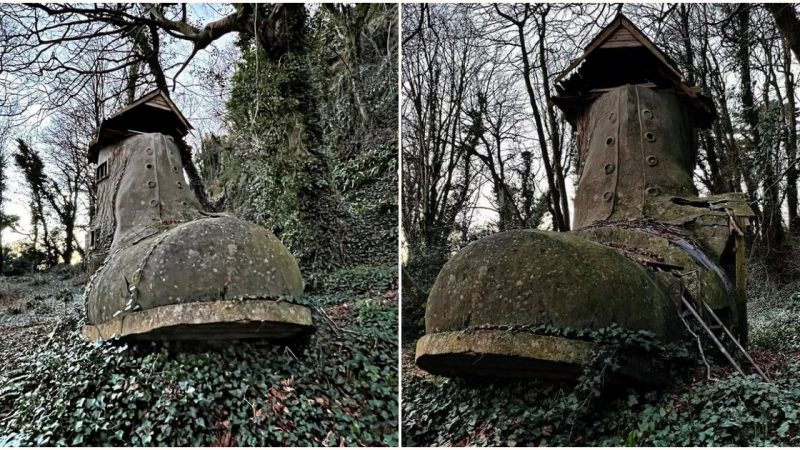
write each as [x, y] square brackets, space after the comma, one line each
[32, 305]
[337, 387]
[696, 409]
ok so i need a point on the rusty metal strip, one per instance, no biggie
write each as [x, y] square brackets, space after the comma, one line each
[721, 347]
[616, 158]
[735, 341]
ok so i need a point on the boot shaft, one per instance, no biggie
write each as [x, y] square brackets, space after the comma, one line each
[636, 144]
[142, 190]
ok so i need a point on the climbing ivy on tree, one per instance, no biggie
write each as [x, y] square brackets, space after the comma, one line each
[297, 160]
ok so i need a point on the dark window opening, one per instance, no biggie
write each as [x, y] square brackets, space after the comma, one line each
[101, 172]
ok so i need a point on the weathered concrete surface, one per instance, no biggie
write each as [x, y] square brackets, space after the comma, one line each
[703, 283]
[526, 277]
[232, 319]
[500, 353]
[166, 251]
[637, 145]
[215, 258]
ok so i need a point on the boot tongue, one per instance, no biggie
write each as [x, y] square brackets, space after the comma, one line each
[152, 193]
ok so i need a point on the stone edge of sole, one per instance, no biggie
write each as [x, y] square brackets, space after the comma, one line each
[233, 312]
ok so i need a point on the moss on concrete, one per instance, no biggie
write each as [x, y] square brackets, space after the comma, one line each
[527, 277]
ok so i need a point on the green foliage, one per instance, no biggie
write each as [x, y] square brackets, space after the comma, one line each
[23, 259]
[337, 388]
[459, 412]
[734, 410]
[360, 280]
[773, 310]
[368, 183]
[740, 411]
[321, 178]
[424, 264]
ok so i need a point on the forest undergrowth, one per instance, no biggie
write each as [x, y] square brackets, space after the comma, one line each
[337, 387]
[714, 406]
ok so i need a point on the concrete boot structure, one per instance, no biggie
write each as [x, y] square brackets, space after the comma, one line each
[170, 270]
[643, 241]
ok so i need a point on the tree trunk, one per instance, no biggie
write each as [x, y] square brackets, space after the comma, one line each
[788, 24]
[791, 142]
[771, 227]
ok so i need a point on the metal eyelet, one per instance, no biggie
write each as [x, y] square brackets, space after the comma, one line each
[647, 114]
[608, 196]
[650, 137]
[653, 191]
[151, 184]
[179, 184]
[610, 141]
[148, 165]
[149, 151]
[612, 117]
[153, 202]
[609, 169]
[652, 161]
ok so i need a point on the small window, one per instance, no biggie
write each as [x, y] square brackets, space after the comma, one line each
[101, 173]
[92, 237]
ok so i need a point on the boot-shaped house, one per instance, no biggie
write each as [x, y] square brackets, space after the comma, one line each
[644, 247]
[166, 268]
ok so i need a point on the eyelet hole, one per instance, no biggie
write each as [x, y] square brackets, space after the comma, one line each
[650, 137]
[610, 141]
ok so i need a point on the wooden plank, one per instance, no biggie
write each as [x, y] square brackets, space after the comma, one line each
[159, 105]
[621, 44]
[621, 34]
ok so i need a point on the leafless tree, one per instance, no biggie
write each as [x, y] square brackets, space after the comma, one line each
[743, 56]
[438, 179]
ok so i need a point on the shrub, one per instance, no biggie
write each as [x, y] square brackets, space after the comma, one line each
[13, 310]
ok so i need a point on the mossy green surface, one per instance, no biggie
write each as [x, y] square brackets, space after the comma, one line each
[526, 277]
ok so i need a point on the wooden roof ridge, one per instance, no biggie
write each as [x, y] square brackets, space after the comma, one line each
[152, 96]
[621, 22]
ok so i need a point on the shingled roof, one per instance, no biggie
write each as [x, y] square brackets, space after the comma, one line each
[153, 112]
[621, 54]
